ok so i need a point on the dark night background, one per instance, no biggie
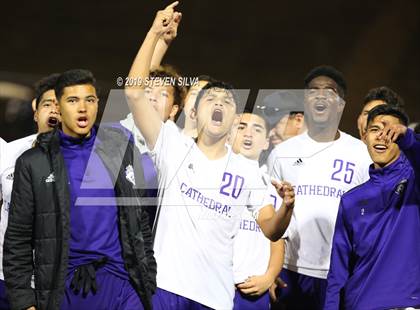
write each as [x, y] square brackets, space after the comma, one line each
[252, 44]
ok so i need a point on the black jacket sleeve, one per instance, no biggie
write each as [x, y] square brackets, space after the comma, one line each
[17, 251]
[148, 249]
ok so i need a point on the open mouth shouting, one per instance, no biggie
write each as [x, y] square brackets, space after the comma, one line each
[320, 106]
[82, 122]
[217, 117]
[52, 121]
[247, 144]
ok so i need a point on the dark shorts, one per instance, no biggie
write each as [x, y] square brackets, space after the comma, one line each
[302, 292]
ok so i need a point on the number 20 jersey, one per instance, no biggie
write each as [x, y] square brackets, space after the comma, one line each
[201, 203]
[320, 172]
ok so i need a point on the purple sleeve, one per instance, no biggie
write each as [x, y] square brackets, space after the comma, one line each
[410, 145]
[339, 266]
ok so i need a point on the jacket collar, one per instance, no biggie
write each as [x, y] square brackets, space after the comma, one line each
[390, 172]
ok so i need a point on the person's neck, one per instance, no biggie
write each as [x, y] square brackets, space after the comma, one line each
[213, 148]
[381, 166]
[323, 134]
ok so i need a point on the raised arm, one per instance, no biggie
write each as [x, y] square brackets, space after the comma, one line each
[408, 142]
[274, 223]
[145, 116]
[164, 41]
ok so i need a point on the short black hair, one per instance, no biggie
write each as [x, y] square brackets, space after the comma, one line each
[169, 71]
[74, 77]
[206, 78]
[385, 94]
[261, 115]
[330, 72]
[216, 84]
[43, 85]
[385, 109]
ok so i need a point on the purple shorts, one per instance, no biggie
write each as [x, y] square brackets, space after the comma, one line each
[113, 293]
[164, 300]
[244, 302]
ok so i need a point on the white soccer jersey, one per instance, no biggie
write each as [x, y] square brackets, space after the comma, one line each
[251, 249]
[201, 202]
[13, 150]
[139, 140]
[320, 174]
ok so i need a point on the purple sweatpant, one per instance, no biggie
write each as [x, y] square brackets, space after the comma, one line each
[113, 293]
[4, 303]
[164, 300]
[244, 302]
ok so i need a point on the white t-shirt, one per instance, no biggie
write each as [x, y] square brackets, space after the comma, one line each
[13, 150]
[139, 140]
[321, 172]
[251, 249]
[201, 202]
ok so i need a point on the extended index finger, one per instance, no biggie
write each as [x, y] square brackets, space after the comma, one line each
[172, 5]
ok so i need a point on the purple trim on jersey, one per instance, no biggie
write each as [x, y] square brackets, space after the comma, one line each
[164, 300]
[113, 293]
[4, 303]
[375, 260]
[246, 302]
[94, 228]
[302, 292]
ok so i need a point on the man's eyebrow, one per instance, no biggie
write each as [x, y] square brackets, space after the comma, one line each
[47, 100]
[259, 126]
[72, 97]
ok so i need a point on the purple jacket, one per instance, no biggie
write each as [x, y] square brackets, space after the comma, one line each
[375, 259]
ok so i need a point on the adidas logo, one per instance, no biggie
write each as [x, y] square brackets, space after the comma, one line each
[50, 178]
[129, 175]
[298, 162]
[10, 177]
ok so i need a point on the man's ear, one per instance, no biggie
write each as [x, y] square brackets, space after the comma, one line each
[193, 114]
[174, 111]
[34, 105]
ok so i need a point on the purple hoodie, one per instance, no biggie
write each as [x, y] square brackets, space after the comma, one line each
[93, 228]
[375, 259]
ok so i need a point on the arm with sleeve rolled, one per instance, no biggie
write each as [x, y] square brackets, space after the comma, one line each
[17, 250]
[339, 266]
[145, 116]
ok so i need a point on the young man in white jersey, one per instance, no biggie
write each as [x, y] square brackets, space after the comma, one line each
[322, 164]
[256, 262]
[204, 188]
[47, 116]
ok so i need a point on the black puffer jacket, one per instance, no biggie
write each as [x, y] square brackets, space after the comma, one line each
[39, 220]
